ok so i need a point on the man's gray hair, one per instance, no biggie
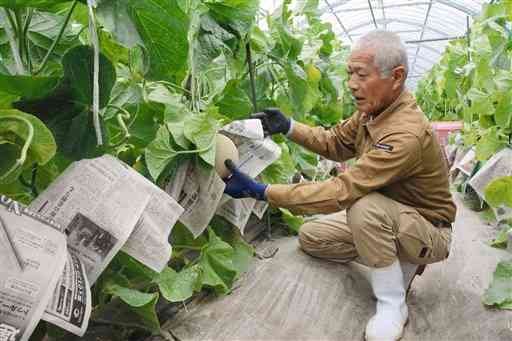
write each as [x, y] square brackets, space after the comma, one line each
[390, 52]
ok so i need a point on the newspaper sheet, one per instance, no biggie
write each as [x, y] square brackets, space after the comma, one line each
[27, 284]
[256, 154]
[498, 166]
[99, 208]
[198, 190]
[70, 306]
[251, 129]
[467, 163]
[149, 241]
[237, 211]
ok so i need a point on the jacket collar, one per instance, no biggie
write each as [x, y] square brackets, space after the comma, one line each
[379, 123]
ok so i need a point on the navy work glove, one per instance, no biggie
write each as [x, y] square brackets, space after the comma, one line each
[273, 121]
[240, 185]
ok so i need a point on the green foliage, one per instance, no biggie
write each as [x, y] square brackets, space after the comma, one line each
[177, 287]
[28, 87]
[42, 4]
[501, 240]
[282, 170]
[24, 140]
[499, 192]
[216, 262]
[78, 66]
[171, 73]
[163, 28]
[499, 293]
[473, 83]
[294, 222]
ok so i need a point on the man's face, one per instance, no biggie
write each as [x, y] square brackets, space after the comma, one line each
[372, 93]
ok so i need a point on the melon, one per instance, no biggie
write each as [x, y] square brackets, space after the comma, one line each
[225, 149]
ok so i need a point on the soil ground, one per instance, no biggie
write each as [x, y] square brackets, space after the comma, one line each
[292, 296]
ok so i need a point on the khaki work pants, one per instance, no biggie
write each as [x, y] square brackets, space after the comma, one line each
[377, 230]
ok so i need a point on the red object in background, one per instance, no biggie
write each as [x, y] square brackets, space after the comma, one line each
[443, 129]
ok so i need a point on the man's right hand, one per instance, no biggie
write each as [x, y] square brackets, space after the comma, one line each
[273, 121]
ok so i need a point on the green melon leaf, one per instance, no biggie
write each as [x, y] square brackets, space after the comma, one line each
[178, 286]
[294, 222]
[499, 192]
[159, 153]
[488, 144]
[28, 87]
[41, 4]
[14, 134]
[78, 71]
[234, 102]
[201, 129]
[499, 293]
[216, 263]
[163, 27]
[142, 304]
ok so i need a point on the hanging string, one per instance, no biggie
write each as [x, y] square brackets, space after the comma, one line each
[91, 4]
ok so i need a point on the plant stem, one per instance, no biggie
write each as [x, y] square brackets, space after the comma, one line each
[33, 185]
[28, 55]
[187, 247]
[21, 36]
[56, 41]
[23, 155]
[96, 70]
[10, 31]
[251, 74]
[172, 85]
[11, 21]
[125, 115]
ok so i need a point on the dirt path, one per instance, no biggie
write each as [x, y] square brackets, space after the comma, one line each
[295, 297]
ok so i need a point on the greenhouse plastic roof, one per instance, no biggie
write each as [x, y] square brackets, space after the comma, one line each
[426, 26]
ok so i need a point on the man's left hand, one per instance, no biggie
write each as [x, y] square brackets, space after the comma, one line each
[240, 185]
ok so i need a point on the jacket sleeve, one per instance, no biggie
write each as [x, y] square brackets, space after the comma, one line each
[394, 157]
[337, 143]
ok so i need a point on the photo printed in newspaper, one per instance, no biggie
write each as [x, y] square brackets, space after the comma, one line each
[70, 306]
[25, 288]
[99, 208]
[198, 190]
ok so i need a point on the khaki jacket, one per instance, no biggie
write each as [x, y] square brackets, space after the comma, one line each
[397, 155]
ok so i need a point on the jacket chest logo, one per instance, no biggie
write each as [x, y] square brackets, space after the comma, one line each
[384, 146]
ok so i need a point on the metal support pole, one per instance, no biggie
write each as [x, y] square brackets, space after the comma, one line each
[434, 39]
[338, 20]
[421, 35]
[468, 31]
[373, 14]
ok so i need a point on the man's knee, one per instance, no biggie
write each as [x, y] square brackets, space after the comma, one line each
[307, 238]
[372, 222]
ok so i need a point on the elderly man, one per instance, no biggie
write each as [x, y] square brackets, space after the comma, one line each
[392, 211]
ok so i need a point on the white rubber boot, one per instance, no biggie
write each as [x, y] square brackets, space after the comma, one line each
[358, 266]
[391, 314]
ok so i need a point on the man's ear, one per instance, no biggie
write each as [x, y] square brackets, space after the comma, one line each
[398, 75]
